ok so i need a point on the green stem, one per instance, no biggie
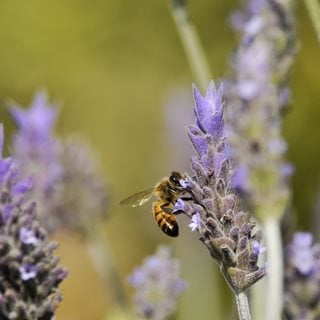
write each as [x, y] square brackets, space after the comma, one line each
[313, 7]
[104, 263]
[192, 45]
[257, 292]
[274, 294]
[243, 306]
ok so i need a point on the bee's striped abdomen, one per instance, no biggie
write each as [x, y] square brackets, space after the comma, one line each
[166, 221]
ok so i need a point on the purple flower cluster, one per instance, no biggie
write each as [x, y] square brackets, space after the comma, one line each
[302, 278]
[67, 187]
[157, 285]
[83, 201]
[29, 272]
[255, 97]
[215, 210]
[35, 142]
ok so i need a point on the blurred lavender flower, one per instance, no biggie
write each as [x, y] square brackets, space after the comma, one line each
[83, 199]
[37, 152]
[302, 278]
[29, 273]
[67, 187]
[215, 210]
[255, 98]
[157, 285]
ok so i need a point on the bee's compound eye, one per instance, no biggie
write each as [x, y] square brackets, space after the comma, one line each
[175, 177]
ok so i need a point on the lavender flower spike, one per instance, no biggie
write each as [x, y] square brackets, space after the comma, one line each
[29, 272]
[256, 96]
[67, 187]
[157, 283]
[215, 209]
[83, 191]
[37, 151]
[302, 278]
[34, 145]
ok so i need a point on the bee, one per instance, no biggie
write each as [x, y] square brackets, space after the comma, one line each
[167, 191]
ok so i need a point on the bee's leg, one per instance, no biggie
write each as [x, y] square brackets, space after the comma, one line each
[186, 198]
[167, 207]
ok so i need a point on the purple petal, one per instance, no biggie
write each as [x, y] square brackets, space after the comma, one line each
[209, 110]
[240, 178]
[195, 222]
[38, 120]
[4, 167]
[287, 170]
[277, 146]
[18, 115]
[219, 158]
[203, 107]
[211, 91]
[27, 236]
[218, 99]
[179, 205]
[62, 273]
[213, 125]
[27, 272]
[248, 89]
[302, 254]
[6, 211]
[179, 286]
[207, 161]
[137, 278]
[198, 140]
[184, 183]
[254, 25]
[23, 186]
[303, 239]
[257, 248]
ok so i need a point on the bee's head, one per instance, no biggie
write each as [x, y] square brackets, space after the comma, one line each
[175, 178]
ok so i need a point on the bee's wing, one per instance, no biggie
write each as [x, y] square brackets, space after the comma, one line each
[139, 198]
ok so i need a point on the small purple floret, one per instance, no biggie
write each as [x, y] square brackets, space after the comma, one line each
[302, 254]
[27, 236]
[157, 285]
[195, 222]
[36, 122]
[179, 205]
[27, 272]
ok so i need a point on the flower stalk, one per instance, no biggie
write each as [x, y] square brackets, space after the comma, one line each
[313, 7]
[191, 43]
[243, 306]
[104, 263]
[274, 289]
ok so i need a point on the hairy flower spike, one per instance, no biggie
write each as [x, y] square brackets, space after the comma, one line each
[34, 146]
[157, 283]
[82, 191]
[215, 210]
[255, 97]
[29, 273]
[67, 188]
[302, 278]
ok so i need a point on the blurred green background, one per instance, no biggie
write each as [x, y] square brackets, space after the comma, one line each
[119, 70]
